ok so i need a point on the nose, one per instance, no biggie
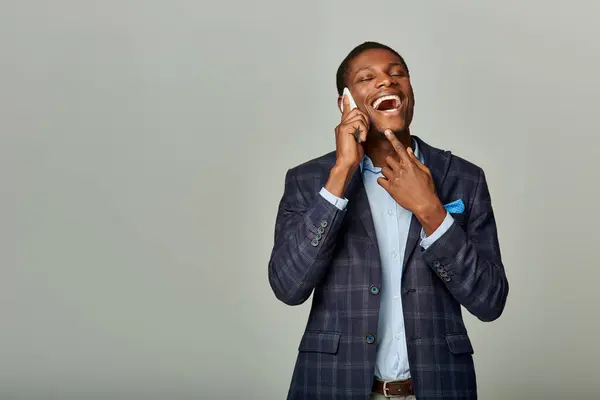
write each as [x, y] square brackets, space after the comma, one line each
[384, 80]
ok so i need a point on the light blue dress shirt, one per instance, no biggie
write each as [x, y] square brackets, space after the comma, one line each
[392, 224]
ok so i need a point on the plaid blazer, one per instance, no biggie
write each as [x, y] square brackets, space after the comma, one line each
[334, 255]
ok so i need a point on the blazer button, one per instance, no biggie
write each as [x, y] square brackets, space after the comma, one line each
[318, 236]
[315, 242]
[324, 224]
[443, 274]
[320, 229]
[436, 263]
[370, 339]
[374, 289]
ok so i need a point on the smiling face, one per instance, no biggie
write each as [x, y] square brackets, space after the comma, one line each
[380, 85]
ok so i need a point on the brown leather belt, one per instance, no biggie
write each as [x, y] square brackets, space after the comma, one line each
[393, 388]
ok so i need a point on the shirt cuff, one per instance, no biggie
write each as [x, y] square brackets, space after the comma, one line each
[446, 224]
[333, 199]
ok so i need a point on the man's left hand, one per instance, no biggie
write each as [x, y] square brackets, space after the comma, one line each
[410, 183]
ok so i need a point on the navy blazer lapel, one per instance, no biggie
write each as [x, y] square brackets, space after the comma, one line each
[356, 193]
[438, 162]
[359, 202]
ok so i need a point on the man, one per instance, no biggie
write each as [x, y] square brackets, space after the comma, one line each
[391, 236]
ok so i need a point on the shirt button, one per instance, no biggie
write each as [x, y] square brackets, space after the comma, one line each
[374, 289]
[370, 339]
[394, 254]
[390, 212]
[398, 337]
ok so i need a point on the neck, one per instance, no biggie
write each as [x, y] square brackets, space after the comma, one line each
[377, 147]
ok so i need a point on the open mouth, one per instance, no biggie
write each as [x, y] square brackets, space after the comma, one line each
[387, 104]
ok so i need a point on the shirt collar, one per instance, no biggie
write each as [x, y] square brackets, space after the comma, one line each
[367, 163]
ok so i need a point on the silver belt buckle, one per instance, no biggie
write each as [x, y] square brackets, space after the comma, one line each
[385, 390]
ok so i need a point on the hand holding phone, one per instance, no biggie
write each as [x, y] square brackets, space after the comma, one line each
[350, 133]
[353, 120]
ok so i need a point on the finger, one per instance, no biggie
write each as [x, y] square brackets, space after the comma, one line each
[358, 130]
[353, 114]
[357, 127]
[384, 183]
[354, 118]
[393, 163]
[398, 146]
[346, 109]
[387, 172]
[364, 121]
[413, 157]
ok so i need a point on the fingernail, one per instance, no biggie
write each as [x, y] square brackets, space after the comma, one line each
[387, 132]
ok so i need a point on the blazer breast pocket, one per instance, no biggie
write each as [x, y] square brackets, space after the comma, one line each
[320, 342]
[459, 218]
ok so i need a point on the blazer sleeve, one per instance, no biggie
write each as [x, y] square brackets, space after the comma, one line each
[468, 260]
[306, 228]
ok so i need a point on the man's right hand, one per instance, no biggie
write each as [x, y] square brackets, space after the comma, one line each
[349, 136]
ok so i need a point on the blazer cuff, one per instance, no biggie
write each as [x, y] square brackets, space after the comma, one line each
[322, 221]
[443, 228]
[441, 256]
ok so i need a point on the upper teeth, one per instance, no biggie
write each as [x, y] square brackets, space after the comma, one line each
[378, 102]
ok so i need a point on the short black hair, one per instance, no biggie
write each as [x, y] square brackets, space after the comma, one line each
[340, 76]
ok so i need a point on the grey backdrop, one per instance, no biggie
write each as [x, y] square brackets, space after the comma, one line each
[142, 156]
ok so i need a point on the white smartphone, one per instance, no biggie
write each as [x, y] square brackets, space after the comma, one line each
[346, 92]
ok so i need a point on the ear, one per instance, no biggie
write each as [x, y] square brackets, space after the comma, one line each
[340, 99]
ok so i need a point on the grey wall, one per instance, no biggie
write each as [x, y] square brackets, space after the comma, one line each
[143, 146]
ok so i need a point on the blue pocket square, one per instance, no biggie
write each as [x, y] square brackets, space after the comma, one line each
[455, 207]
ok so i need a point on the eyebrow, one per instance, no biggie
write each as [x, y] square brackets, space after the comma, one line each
[396, 64]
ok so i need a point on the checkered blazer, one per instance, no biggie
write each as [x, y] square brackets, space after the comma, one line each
[334, 255]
